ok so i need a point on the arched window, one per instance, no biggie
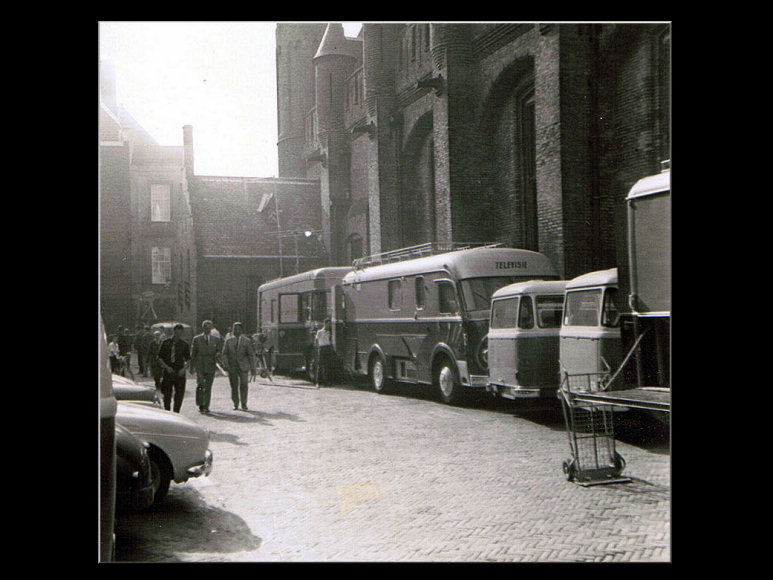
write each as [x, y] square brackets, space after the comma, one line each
[354, 245]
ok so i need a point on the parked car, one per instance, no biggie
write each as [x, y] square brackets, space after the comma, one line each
[166, 329]
[107, 409]
[179, 448]
[127, 390]
[134, 484]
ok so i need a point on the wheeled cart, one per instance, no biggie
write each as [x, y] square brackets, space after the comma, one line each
[590, 428]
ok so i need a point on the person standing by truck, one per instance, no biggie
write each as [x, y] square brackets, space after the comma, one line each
[325, 353]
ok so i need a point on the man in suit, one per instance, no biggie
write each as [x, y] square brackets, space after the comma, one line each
[156, 370]
[173, 356]
[147, 338]
[205, 353]
[239, 358]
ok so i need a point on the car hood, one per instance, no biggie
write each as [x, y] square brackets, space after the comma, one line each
[124, 392]
[145, 419]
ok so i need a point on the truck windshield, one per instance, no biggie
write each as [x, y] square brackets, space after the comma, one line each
[477, 291]
[582, 308]
[549, 310]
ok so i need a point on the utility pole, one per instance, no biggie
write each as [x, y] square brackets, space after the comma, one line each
[279, 233]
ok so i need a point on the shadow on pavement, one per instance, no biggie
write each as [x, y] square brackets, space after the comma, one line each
[182, 523]
[252, 416]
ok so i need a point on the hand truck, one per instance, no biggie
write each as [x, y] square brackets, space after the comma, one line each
[590, 428]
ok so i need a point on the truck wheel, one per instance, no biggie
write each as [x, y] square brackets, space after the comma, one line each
[378, 376]
[448, 383]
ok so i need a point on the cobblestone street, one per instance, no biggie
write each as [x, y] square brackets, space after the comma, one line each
[343, 474]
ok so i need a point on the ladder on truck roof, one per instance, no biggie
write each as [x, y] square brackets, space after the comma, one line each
[419, 251]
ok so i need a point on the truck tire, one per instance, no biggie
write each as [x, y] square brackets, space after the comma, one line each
[377, 373]
[447, 382]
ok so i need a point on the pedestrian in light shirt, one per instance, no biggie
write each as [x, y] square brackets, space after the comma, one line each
[325, 353]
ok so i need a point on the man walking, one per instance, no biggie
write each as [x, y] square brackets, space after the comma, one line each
[204, 358]
[125, 350]
[147, 338]
[138, 344]
[156, 370]
[239, 359]
[174, 355]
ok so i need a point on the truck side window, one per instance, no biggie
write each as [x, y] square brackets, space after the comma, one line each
[526, 313]
[447, 298]
[610, 315]
[419, 291]
[395, 290]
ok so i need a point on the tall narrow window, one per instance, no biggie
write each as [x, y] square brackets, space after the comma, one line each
[161, 260]
[528, 167]
[355, 247]
[160, 204]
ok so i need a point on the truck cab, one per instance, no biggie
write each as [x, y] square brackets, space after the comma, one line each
[523, 339]
[590, 340]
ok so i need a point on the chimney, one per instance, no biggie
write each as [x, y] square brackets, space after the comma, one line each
[188, 149]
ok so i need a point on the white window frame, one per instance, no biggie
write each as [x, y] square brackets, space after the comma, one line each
[161, 260]
[160, 202]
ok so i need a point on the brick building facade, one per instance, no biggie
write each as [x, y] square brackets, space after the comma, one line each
[147, 254]
[526, 134]
[240, 245]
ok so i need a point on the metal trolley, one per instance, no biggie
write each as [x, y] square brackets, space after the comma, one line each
[590, 427]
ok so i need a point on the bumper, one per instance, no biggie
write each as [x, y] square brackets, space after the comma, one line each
[510, 392]
[204, 468]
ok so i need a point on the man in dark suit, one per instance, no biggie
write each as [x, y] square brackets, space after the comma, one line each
[205, 353]
[156, 370]
[239, 358]
[174, 355]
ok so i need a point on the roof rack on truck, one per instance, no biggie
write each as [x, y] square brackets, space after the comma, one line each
[421, 250]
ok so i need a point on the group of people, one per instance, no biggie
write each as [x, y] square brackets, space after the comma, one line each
[168, 359]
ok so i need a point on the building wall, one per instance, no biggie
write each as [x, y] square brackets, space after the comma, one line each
[115, 235]
[239, 247]
[441, 108]
[130, 161]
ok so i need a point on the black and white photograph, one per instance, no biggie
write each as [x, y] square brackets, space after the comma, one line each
[384, 292]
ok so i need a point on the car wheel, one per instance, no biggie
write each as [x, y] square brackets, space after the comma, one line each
[160, 475]
[448, 384]
[378, 376]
